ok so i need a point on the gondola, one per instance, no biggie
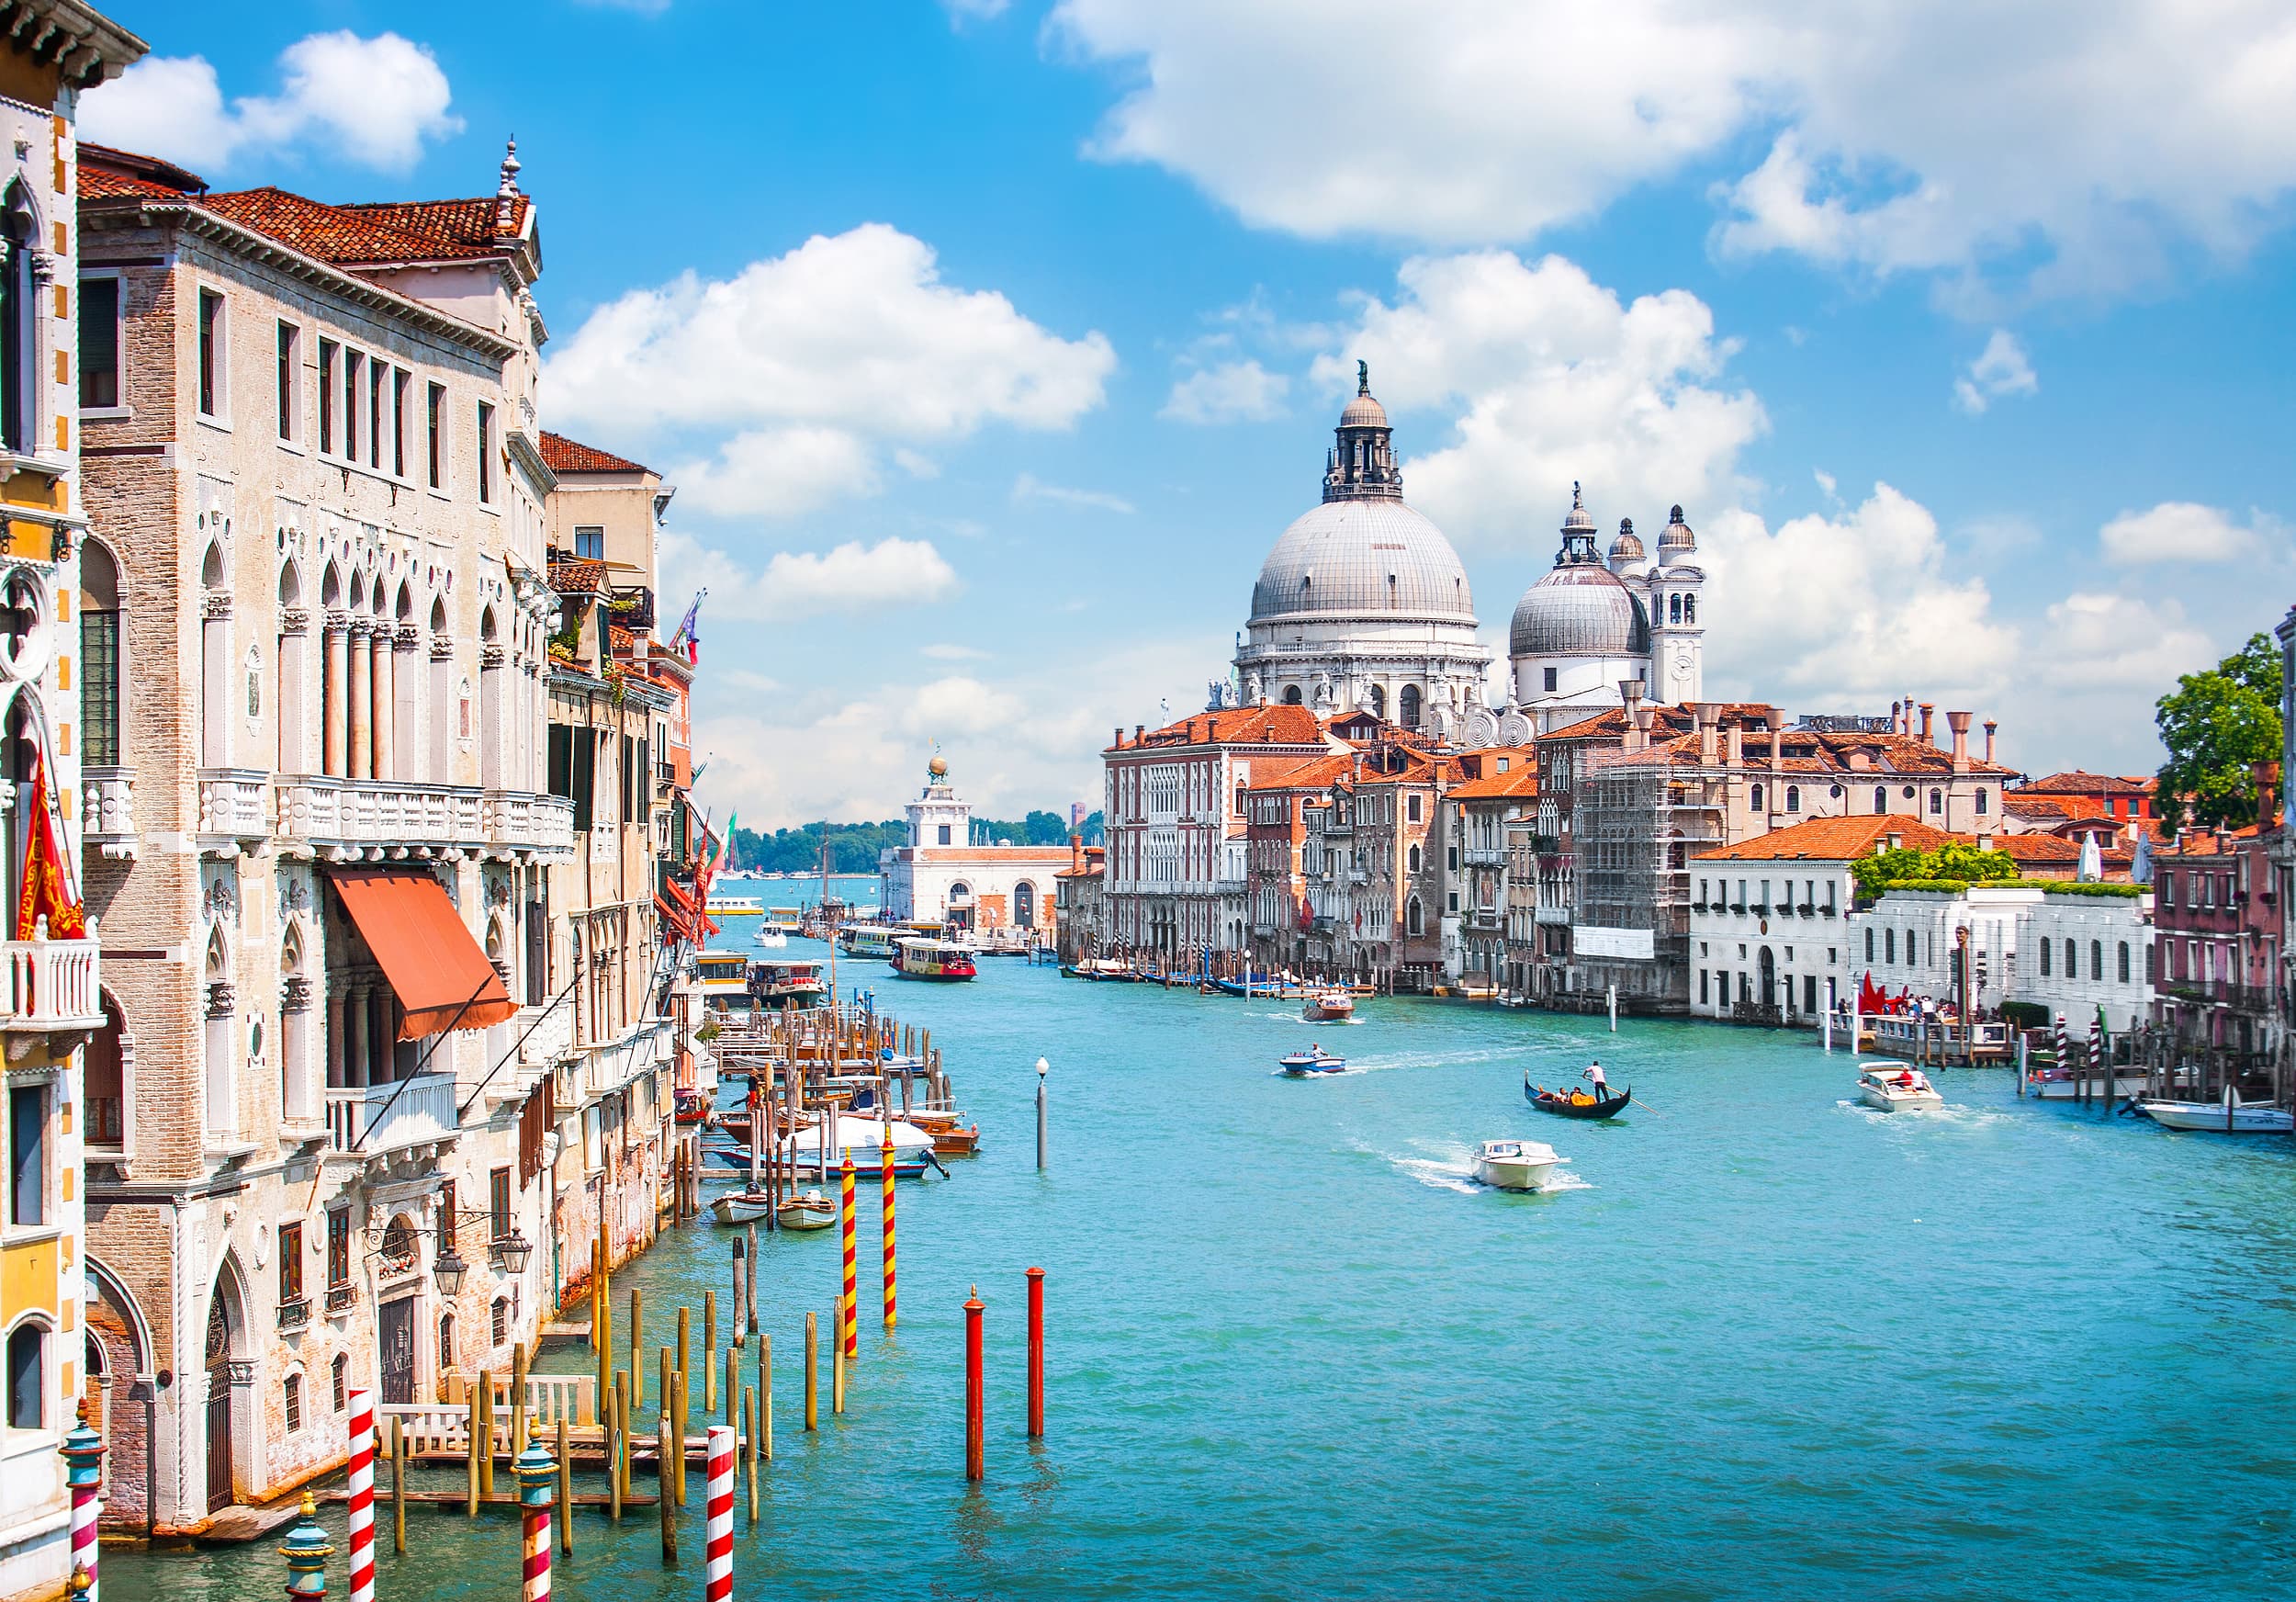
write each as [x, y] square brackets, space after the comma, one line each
[1559, 1103]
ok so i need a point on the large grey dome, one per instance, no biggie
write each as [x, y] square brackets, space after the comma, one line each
[1579, 610]
[1360, 557]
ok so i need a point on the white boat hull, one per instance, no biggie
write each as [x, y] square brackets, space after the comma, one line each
[737, 1207]
[1517, 1173]
[1894, 1100]
[2210, 1116]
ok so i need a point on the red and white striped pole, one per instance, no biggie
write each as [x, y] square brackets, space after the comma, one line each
[717, 1528]
[361, 1542]
[537, 1481]
[83, 1452]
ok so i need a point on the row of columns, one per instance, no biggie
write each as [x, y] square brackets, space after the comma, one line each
[354, 1054]
[362, 673]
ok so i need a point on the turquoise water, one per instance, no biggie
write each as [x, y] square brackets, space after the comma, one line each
[1768, 1344]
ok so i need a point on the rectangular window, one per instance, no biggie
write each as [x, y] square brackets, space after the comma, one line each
[560, 761]
[99, 342]
[589, 541]
[437, 420]
[27, 1154]
[376, 376]
[1550, 680]
[99, 688]
[398, 382]
[447, 1217]
[210, 352]
[327, 349]
[294, 1403]
[291, 1263]
[498, 1201]
[486, 454]
[290, 342]
[644, 786]
[354, 366]
[944, 834]
[338, 1248]
[585, 775]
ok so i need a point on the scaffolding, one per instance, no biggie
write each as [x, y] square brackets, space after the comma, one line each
[1638, 817]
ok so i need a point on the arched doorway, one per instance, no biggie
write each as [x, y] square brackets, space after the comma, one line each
[227, 1326]
[1377, 701]
[1769, 977]
[1407, 704]
[1291, 696]
[1024, 905]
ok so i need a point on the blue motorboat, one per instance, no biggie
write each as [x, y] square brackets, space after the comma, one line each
[1299, 1064]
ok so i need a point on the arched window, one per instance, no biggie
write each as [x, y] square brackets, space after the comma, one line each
[214, 667]
[1794, 798]
[500, 1327]
[99, 655]
[2124, 961]
[2096, 959]
[1889, 945]
[1415, 859]
[28, 1376]
[1674, 609]
[1024, 905]
[1379, 700]
[291, 1403]
[2044, 958]
[1690, 609]
[1881, 798]
[1755, 799]
[340, 1372]
[2148, 963]
[446, 1343]
[1291, 696]
[1411, 916]
[1981, 803]
[1869, 943]
[19, 323]
[1937, 803]
[2073, 961]
[1408, 704]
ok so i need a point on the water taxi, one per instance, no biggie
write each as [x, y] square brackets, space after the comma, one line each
[868, 940]
[787, 982]
[918, 958]
[2229, 1116]
[734, 907]
[773, 938]
[1330, 1006]
[1886, 1087]
[723, 976]
[1516, 1165]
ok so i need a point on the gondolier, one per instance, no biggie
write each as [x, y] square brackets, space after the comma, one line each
[1602, 1088]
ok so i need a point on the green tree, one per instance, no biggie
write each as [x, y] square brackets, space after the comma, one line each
[2215, 724]
[1956, 860]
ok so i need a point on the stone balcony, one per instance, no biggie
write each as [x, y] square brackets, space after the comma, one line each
[375, 1120]
[1483, 856]
[107, 801]
[351, 819]
[234, 811]
[52, 986]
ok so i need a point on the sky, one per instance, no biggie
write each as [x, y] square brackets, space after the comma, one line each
[991, 343]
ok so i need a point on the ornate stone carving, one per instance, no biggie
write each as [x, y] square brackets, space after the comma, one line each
[490, 656]
[293, 620]
[406, 638]
[295, 993]
[216, 603]
[442, 649]
[223, 1001]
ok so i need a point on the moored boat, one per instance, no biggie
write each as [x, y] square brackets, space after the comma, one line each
[868, 940]
[1887, 1087]
[2228, 1116]
[943, 960]
[1329, 1006]
[741, 1206]
[773, 938]
[787, 982]
[810, 1211]
[1516, 1165]
[1575, 1103]
[724, 978]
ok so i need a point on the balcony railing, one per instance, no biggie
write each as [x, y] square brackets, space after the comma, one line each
[376, 812]
[529, 823]
[294, 1314]
[108, 797]
[52, 983]
[371, 1119]
[1484, 856]
[232, 809]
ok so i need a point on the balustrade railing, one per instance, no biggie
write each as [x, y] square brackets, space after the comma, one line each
[52, 983]
[231, 803]
[108, 799]
[379, 1118]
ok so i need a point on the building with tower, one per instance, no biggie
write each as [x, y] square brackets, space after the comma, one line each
[1363, 604]
[942, 875]
[1591, 625]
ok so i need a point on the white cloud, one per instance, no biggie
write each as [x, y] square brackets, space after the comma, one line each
[1832, 613]
[1552, 381]
[778, 472]
[963, 11]
[2120, 644]
[2001, 368]
[374, 101]
[2082, 143]
[850, 578]
[1229, 392]
[1028, 487]
[2183, 531]
[944, 652]
[853, 336]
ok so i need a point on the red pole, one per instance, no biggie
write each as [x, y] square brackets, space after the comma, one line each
[1036, 1352]
[975, 1468]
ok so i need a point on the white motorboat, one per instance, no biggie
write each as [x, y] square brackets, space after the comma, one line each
[1516, 1165]
[2229, 1116]
[1329, 1006]
[810, 1211]
[1893, 1088]
[773, 938]
[741, 1206]
[1314, 1060]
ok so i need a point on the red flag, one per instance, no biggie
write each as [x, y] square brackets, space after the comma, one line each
[48, 892]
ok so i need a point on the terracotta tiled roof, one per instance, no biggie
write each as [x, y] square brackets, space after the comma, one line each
[102, 184]
[577, 575]
[1275, 725]
[105, 171]
[1312, 774]
[562, 454]
[1519, 781]
[446, 228]
[2042, 809]
[2078, 782]
[1833, 840]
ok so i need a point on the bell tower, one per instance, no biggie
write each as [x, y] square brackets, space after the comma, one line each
[1678, 631]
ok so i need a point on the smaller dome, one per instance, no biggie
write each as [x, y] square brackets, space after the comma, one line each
[1581, 610]
[1678, 540]
[1579, 521]
[1628, 547]
[1364, 411]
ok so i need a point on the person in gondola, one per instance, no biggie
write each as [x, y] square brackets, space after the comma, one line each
[1602, 1087]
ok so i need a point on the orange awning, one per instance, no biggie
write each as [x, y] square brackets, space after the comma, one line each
[442, 977]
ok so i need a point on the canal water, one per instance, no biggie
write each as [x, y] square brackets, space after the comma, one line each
[1766, 1344]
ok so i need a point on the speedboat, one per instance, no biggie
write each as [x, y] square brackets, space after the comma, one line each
[773, 938]
[1891, 1087]
[810, 1211]
[2229, 1116]
[1516, 1165]
[1329, 1006]
[1299, 1064]
[741, 1206]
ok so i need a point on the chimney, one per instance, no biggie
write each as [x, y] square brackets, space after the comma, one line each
[1118, 741]
[1642, 719]
[1733, 754]
[1990, 726]
[1897, 718]
[1959, 723]
[1140, 732]
[1897, 841]
[1630, 693]
[1929, 714]
[1076, 853]
[1707, 739]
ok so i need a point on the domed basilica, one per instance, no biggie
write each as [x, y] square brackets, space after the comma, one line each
[1362, 605]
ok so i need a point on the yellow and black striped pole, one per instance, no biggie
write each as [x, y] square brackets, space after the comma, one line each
[886, 1158]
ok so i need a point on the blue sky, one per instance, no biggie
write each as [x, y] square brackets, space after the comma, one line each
[991, 345]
